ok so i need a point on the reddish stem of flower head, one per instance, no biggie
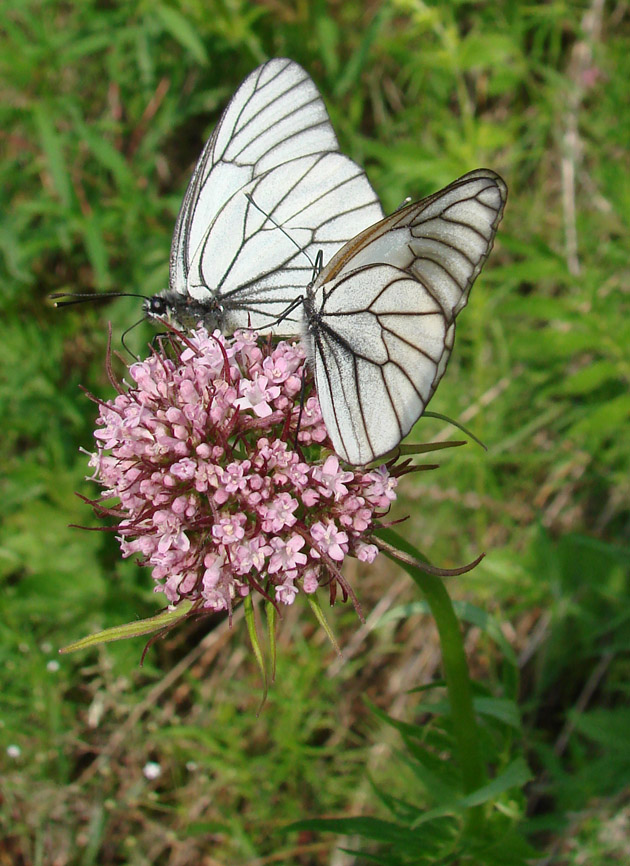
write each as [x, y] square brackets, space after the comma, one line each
[108, 362]
[104, 403]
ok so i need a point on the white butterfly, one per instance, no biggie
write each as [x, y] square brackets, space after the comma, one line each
[269, 192]
[380, 317]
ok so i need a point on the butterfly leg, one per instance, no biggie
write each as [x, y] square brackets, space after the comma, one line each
[124, 334]
[302, 402]
[292, 306]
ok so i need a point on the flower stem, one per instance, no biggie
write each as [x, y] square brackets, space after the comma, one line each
[465, 730]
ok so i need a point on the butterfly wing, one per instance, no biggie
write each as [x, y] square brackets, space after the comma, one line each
[382, 313]
[269, 191]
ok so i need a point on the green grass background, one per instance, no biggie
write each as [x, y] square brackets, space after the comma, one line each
[104, 110]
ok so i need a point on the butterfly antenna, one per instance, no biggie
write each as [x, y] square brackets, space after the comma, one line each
[124, 334]
[278, 226]
[404, 203]
[70, 298]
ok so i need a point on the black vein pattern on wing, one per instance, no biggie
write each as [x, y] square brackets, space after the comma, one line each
[330, 190]
[327, 338]
[202, 177]
[418, 231]
[276, 98]
[276, 122]
[226, 271]
[329, 344]
[442, 216]
[181, 235]
[401, 430]
[463, 289]
[438, 240]
[259, 89]
[294, 109]
[357, 380]
[339, 340]
[334, 343]
[406, 274]
[233, 293]
[256, 93]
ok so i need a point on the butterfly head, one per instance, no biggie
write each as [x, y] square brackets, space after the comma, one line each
[156, 307]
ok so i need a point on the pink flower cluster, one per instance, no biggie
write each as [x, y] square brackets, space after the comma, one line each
[214, 493]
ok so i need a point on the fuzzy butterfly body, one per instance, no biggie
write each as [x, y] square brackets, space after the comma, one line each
[271, 194]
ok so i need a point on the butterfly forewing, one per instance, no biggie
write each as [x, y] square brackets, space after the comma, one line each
[269, 191]
[382, 313]
[234, 154]
[259, 269]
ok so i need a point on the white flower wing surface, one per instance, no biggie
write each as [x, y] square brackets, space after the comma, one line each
[269, 192]
[381, 315]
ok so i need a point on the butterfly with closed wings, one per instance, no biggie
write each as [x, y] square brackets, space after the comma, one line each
[270, 194]
[272, 161]
[380, 317]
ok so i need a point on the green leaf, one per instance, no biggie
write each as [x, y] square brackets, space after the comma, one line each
[503, 709]
[133, 629]
[52, 146]
[272, 615]
[515, 775]
[488, 624]
[252, 630]
[457, 424]
[183, 32]
[328, 43]
[603, 420]
[316, 607]
[368, 828]
[104, 151]
[486, 51]
[354, 66]
[595, 374]
[428, 446]
[90, 227]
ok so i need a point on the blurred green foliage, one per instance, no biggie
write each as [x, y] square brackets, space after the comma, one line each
[105, 109]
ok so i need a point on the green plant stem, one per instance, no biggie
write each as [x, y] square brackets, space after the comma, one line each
[455, 667]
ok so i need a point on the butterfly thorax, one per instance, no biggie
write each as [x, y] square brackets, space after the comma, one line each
[183, 311]
[311, 310]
